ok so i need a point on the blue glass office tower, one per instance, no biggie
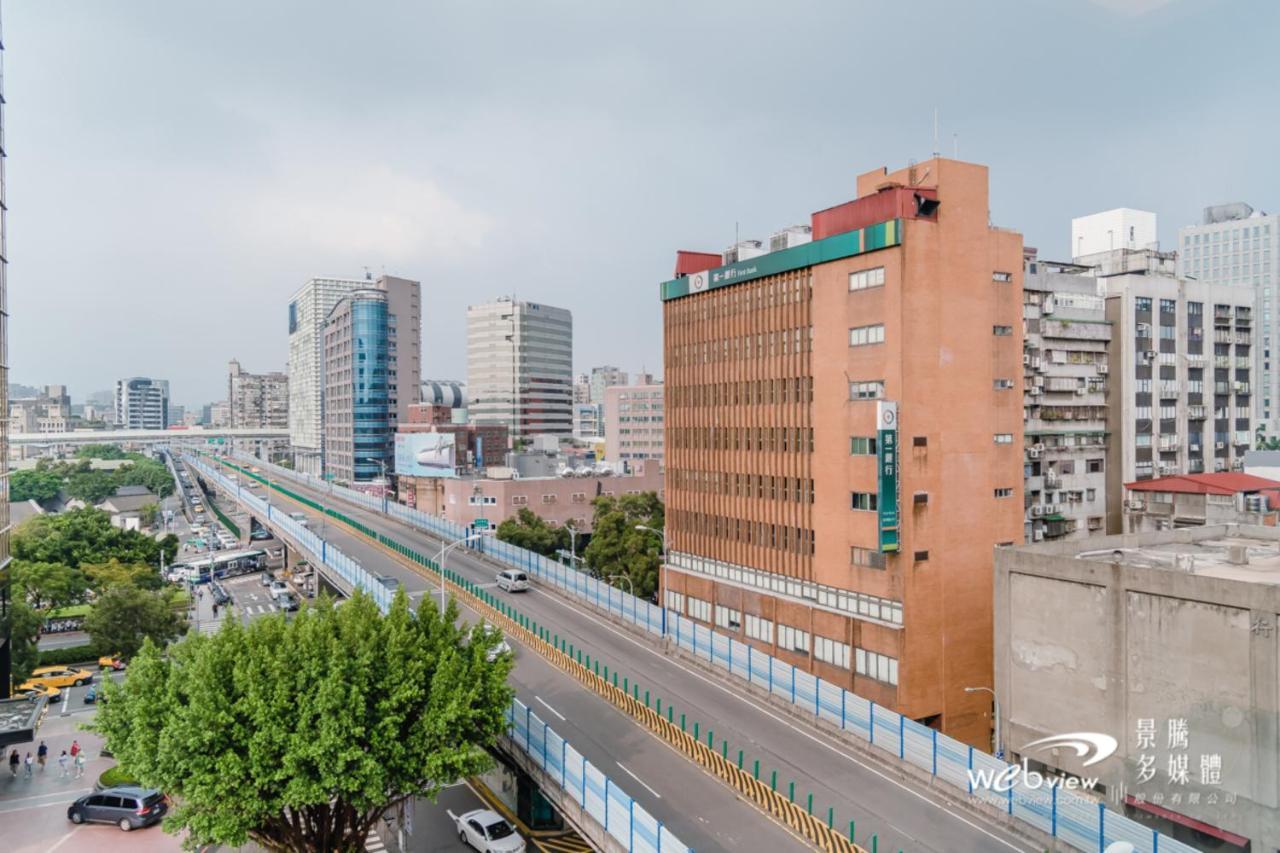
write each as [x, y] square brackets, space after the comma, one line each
[357, 391]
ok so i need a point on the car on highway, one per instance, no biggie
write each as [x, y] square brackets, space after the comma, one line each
[115, 661]
[36, 690]
[268, 578]
[59, 676]
[489, 832]
[513, 580]
[300, 517]
[261, 535]
[287, 601]
[277, 588]
[502, 647]
[127, 806]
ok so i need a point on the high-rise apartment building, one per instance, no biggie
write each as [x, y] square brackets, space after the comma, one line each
[844, 440]
[602, 378]
[257, 400]
[520, 367]
[142, 403]
[1064, 391]
[5, 656]
[308, 309]
[1237, 245]
[404, 345]
[358, 430]
[633, 423]
[1180, 387]
[588, 420]
[582, 389]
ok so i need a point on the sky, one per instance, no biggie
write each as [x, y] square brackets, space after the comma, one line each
[176, 170]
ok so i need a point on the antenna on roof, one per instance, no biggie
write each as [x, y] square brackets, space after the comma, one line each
[368, 276]
[935, 131]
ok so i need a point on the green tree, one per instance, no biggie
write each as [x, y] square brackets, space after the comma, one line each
[92, 487]
[86, 536]
[618, 548]
[149, 514]
[124, 616]
[300, 734]
[34, 485]
[532, 532]
[100, 451]
[22, 623]
[103, 576]
[145, 472]
[46, 586]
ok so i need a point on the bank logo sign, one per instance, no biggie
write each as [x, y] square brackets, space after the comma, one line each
[697, 282]
[887, 462]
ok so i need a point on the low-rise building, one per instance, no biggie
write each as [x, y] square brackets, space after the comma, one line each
[588, 420]
[1165, 642]
[633, 423]
[1187, 500]
[126, 506]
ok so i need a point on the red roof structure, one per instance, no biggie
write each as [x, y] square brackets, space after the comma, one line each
[1220, 483]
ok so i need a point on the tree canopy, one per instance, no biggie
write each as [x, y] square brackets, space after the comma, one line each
[46, 586]
[124, 616]
[100, 451]
[618, 548]
[299, 734]
[532, 532]
[34, 484]
[86, 536]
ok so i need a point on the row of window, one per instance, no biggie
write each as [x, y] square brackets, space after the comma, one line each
[770, 439]
[864, 279]
[736, 484]
[795, 540]
[741, 347]
[865, 335]
[795, 389]
[744, 298]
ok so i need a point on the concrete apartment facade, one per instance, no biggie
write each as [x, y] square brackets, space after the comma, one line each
[142, 403]
[1180, 392]
[308, 309]
[1192, 500]
[257, 400]
[844, 440]
[634, 423]
[1065, 379]
[602, 378]
[1237, 245]
[588, 420]
[49, 411]
[520, 367]
[1166, 642]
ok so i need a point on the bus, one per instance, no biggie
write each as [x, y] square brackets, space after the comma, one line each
[224, 564]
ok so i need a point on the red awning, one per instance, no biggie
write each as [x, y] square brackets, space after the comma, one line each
[1199, 826]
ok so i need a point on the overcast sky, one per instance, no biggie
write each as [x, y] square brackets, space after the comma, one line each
[177, 169]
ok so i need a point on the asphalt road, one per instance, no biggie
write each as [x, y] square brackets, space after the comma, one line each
[901, 815]
[698, 809]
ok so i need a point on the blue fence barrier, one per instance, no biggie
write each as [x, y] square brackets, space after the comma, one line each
[1083, 822]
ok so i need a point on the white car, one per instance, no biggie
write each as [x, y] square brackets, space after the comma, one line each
[487, 831]
[502, 647]
[278, 588]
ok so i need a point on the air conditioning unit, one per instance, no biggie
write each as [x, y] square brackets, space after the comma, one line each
[1037, 535]
[1037, 363]
[1033, 453]
[1038, 381]
[1026, 358]
[1037, 510]
[1038, 447]
[1102, 368]
[1036, 391]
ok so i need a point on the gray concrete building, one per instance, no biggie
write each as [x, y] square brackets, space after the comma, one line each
[257, 399]
[1065, 382]
[308, 308]
[634, 423]
[520, 367]
[142, 403]
[1166, 642]
[602, 378]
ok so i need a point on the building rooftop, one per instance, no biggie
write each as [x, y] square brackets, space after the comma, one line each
[1227, 551]
[1219, 483]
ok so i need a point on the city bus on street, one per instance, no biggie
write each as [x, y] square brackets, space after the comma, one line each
[224, 564]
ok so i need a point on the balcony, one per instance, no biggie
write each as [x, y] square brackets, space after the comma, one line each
[1052, 480]
[1222, 361]
[1195, 466]
[1196, 413]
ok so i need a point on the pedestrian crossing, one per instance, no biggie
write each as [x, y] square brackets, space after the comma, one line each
[373, 843]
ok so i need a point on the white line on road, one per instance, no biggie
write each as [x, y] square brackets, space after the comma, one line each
[638, 779]
[66, 697]
[60, 794]
[548, 707]
[63, 839]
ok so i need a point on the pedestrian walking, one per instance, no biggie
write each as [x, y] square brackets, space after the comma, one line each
[42, 754]
[75, 748]
[28, 765]
[63, 761]
[14, 761]
[79, 764]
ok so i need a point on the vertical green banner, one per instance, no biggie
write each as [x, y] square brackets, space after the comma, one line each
[887, 459]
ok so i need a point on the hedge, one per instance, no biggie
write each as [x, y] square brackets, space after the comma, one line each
[71, 654]
[113, 776]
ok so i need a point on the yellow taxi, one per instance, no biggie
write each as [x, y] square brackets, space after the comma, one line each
[60, 676]
[115, 661]
[30, 690]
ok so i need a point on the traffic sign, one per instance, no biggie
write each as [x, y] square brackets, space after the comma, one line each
[481, 524]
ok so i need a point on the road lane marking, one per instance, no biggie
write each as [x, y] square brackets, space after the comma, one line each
[63, 839]
[66, 697]
[45, 796]
[549, 708]
[638, 779]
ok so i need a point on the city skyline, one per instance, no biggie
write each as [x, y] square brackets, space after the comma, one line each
[246, 153]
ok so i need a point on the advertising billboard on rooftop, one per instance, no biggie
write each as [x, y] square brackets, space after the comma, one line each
[425, 454]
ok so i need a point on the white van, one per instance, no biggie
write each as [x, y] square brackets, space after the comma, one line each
[513, 580]
[299, 517]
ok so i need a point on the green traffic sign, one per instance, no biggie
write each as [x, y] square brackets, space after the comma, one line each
[481, 524]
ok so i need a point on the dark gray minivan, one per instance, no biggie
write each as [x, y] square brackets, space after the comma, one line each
[127, 806]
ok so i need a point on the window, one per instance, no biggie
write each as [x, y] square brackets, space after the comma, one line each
[1142, 303]
[877, 666]
[699, 609]
[759, 629]
[1002, 384]
[869, 557]
[873, 390]
[861, 446]
[921, 556]
[548, 499]
[1167, 306]
[793, 639]
[727, 617]
[833, 652]
[863, 501]
[1002, 276]
[1002, 331]
[864, 335]
[1004, 438]
[675, 601]
[864, 279]
[519, 500]
[1004, 493]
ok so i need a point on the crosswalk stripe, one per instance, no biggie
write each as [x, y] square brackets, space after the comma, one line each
[373, 843]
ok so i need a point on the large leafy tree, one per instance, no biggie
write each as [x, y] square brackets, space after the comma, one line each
[532, 532]
[22, 623]
[34, 485]
[124, 616]
[86, 536]
[46, 586]
[103, 576]
[618, 548]
[300, 734]
[100, 451]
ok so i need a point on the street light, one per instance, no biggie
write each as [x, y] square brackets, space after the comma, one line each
[382, 466]
[996, 700]
[445, 549]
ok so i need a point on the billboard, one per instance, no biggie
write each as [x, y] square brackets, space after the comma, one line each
[425, 454]
[887, 462]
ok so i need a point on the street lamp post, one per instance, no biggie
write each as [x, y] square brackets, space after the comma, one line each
[444, 550]
[996, 700]
[382, 466]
